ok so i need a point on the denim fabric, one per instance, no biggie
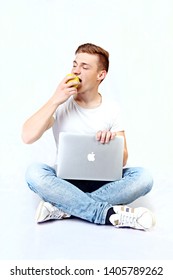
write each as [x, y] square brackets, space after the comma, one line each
[88, 200]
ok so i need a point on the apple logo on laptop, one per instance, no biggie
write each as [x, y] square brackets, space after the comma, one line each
[91, 157]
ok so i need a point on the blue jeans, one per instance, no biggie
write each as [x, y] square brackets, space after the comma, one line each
[88, 200]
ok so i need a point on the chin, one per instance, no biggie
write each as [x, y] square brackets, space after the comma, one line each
[79, 90]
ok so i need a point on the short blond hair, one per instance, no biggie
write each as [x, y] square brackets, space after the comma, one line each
[102, 54]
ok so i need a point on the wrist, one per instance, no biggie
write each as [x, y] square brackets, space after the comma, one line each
[54, 102]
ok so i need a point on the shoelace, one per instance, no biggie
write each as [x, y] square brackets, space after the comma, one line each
[56, 214]
[127, 219]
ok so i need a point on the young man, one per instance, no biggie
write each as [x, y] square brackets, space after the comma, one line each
[79, 107]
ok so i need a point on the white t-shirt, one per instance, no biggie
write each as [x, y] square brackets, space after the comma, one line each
[70, 117]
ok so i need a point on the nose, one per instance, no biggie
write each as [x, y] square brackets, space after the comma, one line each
[76, 70]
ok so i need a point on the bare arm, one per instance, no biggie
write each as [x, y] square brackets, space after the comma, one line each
[43, 119]
[38, 123]
[106, 136]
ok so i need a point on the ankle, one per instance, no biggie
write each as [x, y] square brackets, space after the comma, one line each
[109, 213]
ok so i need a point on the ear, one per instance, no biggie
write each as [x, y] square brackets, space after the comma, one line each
[101, 75]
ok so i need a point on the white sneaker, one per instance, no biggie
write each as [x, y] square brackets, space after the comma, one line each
[46, 211]
[137, 218]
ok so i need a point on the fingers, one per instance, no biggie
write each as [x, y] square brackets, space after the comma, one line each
[105, 136]
[71, 90]
[64, 91]
[69, 86]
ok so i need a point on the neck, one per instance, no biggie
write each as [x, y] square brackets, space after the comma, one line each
[88, 101]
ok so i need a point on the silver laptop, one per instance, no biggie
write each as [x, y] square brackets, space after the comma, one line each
[82, 157]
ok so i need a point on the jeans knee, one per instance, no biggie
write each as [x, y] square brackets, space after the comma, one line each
[147, 179]
[34, 172]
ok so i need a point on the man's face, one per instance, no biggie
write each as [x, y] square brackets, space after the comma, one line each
[85, 66]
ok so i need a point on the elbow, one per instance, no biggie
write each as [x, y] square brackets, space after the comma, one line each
[125, 158]
[124, 162]
[26, 137]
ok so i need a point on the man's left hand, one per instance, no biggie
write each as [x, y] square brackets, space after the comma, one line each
[105, 136]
